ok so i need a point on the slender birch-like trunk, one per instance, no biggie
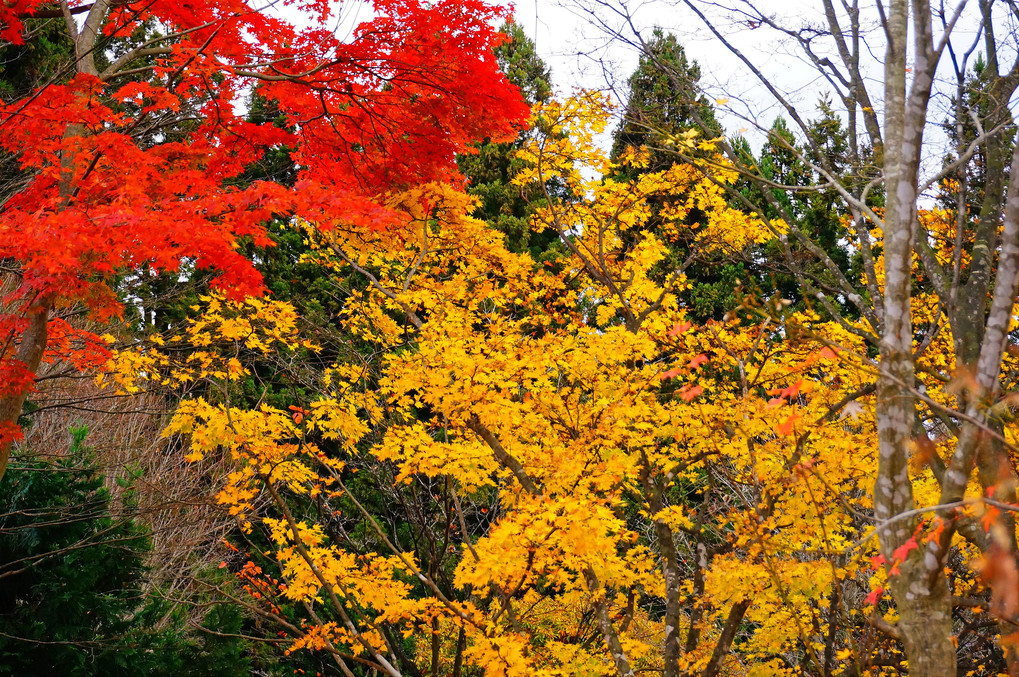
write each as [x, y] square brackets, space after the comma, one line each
[920, 589]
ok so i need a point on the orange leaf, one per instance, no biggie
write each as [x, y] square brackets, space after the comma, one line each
[786, 427]
[781, 393]
[990, 516]
[672, 373]
[698, 361]
[939, 528]
[678, 329]
[689, 392]
[793, 390]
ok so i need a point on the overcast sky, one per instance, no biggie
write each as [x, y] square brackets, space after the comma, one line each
[581, 53]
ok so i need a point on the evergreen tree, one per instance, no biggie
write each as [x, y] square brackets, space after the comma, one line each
[505, 207]
[72, 568]
[664, 100]
[73, 599]
[27, 67]
[815, 207]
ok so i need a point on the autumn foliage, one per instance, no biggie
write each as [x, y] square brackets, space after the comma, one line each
[135, 159]
[457, 460]
[595, 484]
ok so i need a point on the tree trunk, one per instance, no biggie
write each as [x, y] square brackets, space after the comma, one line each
[30, 352]
[920, 589]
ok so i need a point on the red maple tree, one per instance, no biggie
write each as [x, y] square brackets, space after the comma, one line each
[132, 157]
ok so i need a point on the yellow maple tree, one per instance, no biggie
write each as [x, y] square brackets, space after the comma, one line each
[584, 481]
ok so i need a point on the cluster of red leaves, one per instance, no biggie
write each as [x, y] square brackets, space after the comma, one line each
[81, 349]
[260, 585]
[387, 109]
[11, 13]
[148, 172]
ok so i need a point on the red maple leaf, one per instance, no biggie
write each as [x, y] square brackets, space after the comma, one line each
[698, 361]
[688, 392]
[786, 427]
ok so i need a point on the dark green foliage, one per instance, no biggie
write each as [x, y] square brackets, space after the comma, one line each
[505, 207]
[714, 290]
[980, 181]
[26, 67]
[276, 164]
[522, 65]
[44, 58]
[817, 209]
[73, 599]
[664, 100]
[73, 568]
[975, 101]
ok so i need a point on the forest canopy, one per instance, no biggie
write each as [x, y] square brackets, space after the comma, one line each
[368, 351]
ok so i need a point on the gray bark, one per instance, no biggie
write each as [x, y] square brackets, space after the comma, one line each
[920, 590]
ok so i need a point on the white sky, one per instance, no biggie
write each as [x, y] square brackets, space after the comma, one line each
[580, 54]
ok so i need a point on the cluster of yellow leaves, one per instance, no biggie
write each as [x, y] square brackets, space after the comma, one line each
[582, 400]
[605, 209]
[213, 345]
[411, 269]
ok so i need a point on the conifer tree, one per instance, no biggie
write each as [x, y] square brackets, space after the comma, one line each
[665, 103]
[74, 599]
[664, 100]
[490, 171]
